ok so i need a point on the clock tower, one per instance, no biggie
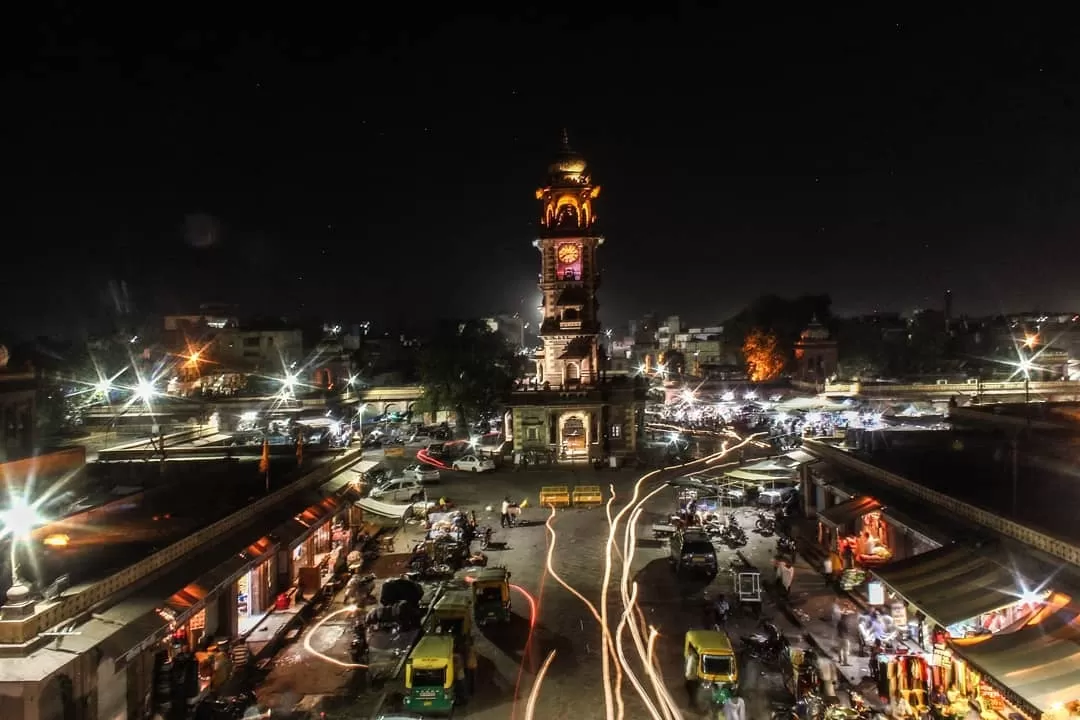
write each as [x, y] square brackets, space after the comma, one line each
[569, 276]
[570, 410]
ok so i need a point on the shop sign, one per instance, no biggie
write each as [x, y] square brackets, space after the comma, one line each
[875, 593]
[394, 452]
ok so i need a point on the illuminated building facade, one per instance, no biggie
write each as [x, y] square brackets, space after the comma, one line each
[572, 409]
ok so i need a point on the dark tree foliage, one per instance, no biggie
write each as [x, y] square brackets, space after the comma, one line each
[467, 368]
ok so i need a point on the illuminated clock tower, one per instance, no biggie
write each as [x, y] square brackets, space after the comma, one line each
[569, 276]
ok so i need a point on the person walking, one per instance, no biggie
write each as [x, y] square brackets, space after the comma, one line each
[735, 708]
[843, 639]
[504, 521]
[827, 675]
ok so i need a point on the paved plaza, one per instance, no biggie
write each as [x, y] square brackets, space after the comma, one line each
[511, 656]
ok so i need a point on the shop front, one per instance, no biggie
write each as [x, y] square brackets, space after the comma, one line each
[944, 684]
[1036, 667]
[964, 590]
[312, 544]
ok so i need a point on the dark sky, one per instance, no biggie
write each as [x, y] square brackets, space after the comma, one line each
[384, 167]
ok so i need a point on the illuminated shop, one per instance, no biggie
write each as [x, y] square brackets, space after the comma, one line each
[856, 530]
[941, 680]
[968, 591]
[311, 543]
[1037, 666]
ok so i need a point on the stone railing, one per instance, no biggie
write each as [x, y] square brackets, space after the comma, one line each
[964, 388]
[22, 630]
[1048, 544]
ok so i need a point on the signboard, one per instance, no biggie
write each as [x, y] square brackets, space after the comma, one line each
[395, 452]
[875, 593]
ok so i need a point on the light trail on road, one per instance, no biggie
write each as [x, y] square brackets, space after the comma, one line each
[628, 594]
[530, 707]
[322, 655]
[649, 704]
[533, 604]
[605, 632]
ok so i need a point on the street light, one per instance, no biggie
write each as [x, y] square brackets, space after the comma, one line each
[1025, 367]
[17, 522]
[144, 390]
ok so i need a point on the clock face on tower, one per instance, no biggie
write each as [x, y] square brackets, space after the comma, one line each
[568, 253]
[568, 261]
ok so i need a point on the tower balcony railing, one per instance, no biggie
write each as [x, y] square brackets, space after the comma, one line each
[569, 324]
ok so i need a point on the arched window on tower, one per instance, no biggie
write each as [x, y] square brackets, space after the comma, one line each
[572, 374]
[567, 217]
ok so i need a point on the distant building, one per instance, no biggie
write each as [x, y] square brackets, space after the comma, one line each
[267, 350]
[816, 355]
[18, 414]
[511, 327]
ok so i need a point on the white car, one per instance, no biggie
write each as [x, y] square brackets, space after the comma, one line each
[422, 472]
[472, 463]
[399, 490]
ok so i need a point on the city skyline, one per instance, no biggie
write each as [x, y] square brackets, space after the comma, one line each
[287, 171]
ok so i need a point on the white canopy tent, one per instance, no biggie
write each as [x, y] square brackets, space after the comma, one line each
[394, 512]
[811, 403]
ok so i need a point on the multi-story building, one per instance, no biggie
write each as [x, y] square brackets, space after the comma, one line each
[272, 350]
[573, 409]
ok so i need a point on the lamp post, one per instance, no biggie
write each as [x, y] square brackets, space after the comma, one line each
[18, 522]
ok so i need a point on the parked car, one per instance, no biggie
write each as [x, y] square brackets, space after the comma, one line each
[399, 490]
[422, 472]
[472, 463]
[692, 551]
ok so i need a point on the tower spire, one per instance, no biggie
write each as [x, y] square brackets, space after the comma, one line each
[565, 139]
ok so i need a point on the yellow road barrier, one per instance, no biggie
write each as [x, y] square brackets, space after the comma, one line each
[587, 496]
[557, 495]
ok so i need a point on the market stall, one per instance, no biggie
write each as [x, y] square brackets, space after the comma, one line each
[964, 589]
[856, 530]
[1037, 666]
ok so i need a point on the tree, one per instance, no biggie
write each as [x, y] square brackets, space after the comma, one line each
[468, 368]
[764, 360]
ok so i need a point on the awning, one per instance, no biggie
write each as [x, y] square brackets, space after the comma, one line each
[194, 595]
[397, 512]
[955, 582]
[292, 533]
[801, 457]
[842, 515]
[1040, 663]
[756, 477]
[769, 466]
[364, 466]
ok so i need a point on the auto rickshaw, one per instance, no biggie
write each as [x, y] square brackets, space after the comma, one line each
[453, 614]
[491, 595]
[710, 662]
[432, 676]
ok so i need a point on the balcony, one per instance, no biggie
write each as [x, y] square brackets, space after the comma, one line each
[569, 324]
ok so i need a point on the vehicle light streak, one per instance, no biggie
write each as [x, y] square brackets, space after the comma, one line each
[528, 643]
[620, 705]
[324, 656]
[649, 705]
[629, 597]
[423, 456]
[530, 707]
[606, 641]
[654, 675]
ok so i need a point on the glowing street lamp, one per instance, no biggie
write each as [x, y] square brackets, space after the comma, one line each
[289, 382]
[17, 522]
[102, 387]
[144, 390]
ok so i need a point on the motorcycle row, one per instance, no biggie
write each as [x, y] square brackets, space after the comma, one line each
[731, 534]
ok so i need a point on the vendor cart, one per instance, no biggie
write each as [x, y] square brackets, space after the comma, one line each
[662, 531]
[748, 590]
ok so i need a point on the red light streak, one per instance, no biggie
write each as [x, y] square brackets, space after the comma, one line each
[424, 457]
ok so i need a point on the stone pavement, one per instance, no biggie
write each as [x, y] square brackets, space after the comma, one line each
[809, 607]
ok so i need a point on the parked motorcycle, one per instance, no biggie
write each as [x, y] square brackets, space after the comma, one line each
[227, 707]
[764, 525]
[358, 648]
[786, 545]
[485, 534]
[733, 536]
[768, 646]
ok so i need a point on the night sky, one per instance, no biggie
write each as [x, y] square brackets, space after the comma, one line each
[383, 167]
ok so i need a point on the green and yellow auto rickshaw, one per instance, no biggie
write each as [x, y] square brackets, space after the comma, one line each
[432, 681]
[710, 665]
[453, 614]
[491, 595]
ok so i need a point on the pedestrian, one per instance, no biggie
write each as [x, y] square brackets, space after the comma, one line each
[504, 521]
[827, 676]
[843, 638]
[735, 708]
[786, 575]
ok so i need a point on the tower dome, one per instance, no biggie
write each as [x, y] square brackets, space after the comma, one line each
[568, 161]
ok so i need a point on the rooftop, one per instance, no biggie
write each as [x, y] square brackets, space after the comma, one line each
[976, 467]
